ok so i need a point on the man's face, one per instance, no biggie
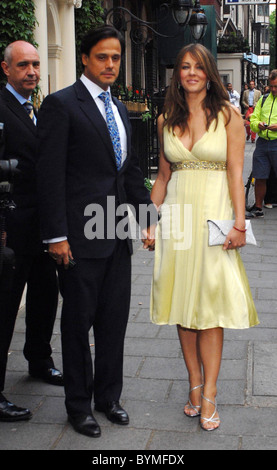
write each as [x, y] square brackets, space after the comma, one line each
[252, 85]
[23, 68]
[229, 87]
[103, 62]
[273, 86]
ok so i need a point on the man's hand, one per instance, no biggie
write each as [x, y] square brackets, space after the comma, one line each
[272, 127]
[263, 126]
[60, 252]
[148, 239]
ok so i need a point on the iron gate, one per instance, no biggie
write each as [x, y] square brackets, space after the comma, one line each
[144, 111]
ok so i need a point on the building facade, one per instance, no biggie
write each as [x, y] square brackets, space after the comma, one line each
[250, 22]
[149, 57]
[55, 35]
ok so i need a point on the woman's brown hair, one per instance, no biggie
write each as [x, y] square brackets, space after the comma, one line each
[176, 110]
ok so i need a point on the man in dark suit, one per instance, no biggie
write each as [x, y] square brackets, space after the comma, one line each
[78, 161]
[33, 267]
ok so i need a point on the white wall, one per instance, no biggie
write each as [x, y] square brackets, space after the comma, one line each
[230, 65]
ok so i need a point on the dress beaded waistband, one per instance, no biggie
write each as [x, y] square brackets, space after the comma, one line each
[198, 165]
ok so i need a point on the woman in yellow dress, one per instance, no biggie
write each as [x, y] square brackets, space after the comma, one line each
[200, 288]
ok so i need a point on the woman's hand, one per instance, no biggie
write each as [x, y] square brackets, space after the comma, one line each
[235, 239]
[148, 239]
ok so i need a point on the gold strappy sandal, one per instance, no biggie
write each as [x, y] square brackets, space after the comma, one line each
[190, 406]
[212, 419]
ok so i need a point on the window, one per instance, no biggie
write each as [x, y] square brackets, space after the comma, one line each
[263, 10]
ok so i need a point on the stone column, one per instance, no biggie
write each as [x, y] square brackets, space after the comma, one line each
[40, 34]
[68, 54]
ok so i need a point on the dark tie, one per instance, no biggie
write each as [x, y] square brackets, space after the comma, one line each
[112, 126]
[30, 110]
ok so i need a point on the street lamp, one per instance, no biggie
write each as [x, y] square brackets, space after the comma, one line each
[198, 22]
[181, 11]
[184, 12]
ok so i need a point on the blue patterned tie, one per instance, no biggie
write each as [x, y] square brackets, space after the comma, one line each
[30, 110]
[112, 126]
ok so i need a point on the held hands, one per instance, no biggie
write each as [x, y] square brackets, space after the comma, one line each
[60, 252]
[148, 239]
[235, 239]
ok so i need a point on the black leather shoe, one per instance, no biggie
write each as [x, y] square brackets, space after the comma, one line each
[10, 412]
[114, 412]
[52, 376]
[86, 425]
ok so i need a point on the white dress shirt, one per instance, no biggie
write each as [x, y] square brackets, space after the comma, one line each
[251, 98]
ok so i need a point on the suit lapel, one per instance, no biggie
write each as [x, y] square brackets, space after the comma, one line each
[18, 110]
[88, 106]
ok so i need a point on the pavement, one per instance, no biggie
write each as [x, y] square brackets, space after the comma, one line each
[155, 379]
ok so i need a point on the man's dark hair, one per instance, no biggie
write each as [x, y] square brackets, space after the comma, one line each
[98, 34]
[272, 75]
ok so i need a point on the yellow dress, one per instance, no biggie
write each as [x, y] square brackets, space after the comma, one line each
[196, 285]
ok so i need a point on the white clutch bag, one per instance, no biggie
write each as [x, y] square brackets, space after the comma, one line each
[219, 229]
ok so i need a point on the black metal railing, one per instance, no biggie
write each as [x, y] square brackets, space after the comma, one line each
[144, 109]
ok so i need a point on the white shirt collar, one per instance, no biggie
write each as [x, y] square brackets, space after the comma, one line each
[95, 90]
[19, 97]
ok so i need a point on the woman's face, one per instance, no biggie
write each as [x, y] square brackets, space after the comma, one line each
[192, 76]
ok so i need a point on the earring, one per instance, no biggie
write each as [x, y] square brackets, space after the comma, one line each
[179, 86]
[208, 85]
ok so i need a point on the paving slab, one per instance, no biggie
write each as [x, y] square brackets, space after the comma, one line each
[265, 370]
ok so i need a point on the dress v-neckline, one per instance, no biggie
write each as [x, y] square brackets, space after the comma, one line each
[195, 143]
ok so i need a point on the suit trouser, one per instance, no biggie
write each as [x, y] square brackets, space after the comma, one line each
[39, 272]
[96, 293]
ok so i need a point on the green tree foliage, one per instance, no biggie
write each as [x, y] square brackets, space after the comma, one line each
[17, 21]
[87, 17]
[233, 43]
[272, 32]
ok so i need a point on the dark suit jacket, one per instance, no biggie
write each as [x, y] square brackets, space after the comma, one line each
[20, 143]
[77, 168]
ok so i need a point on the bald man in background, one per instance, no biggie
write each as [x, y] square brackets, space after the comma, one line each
[33, 267]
